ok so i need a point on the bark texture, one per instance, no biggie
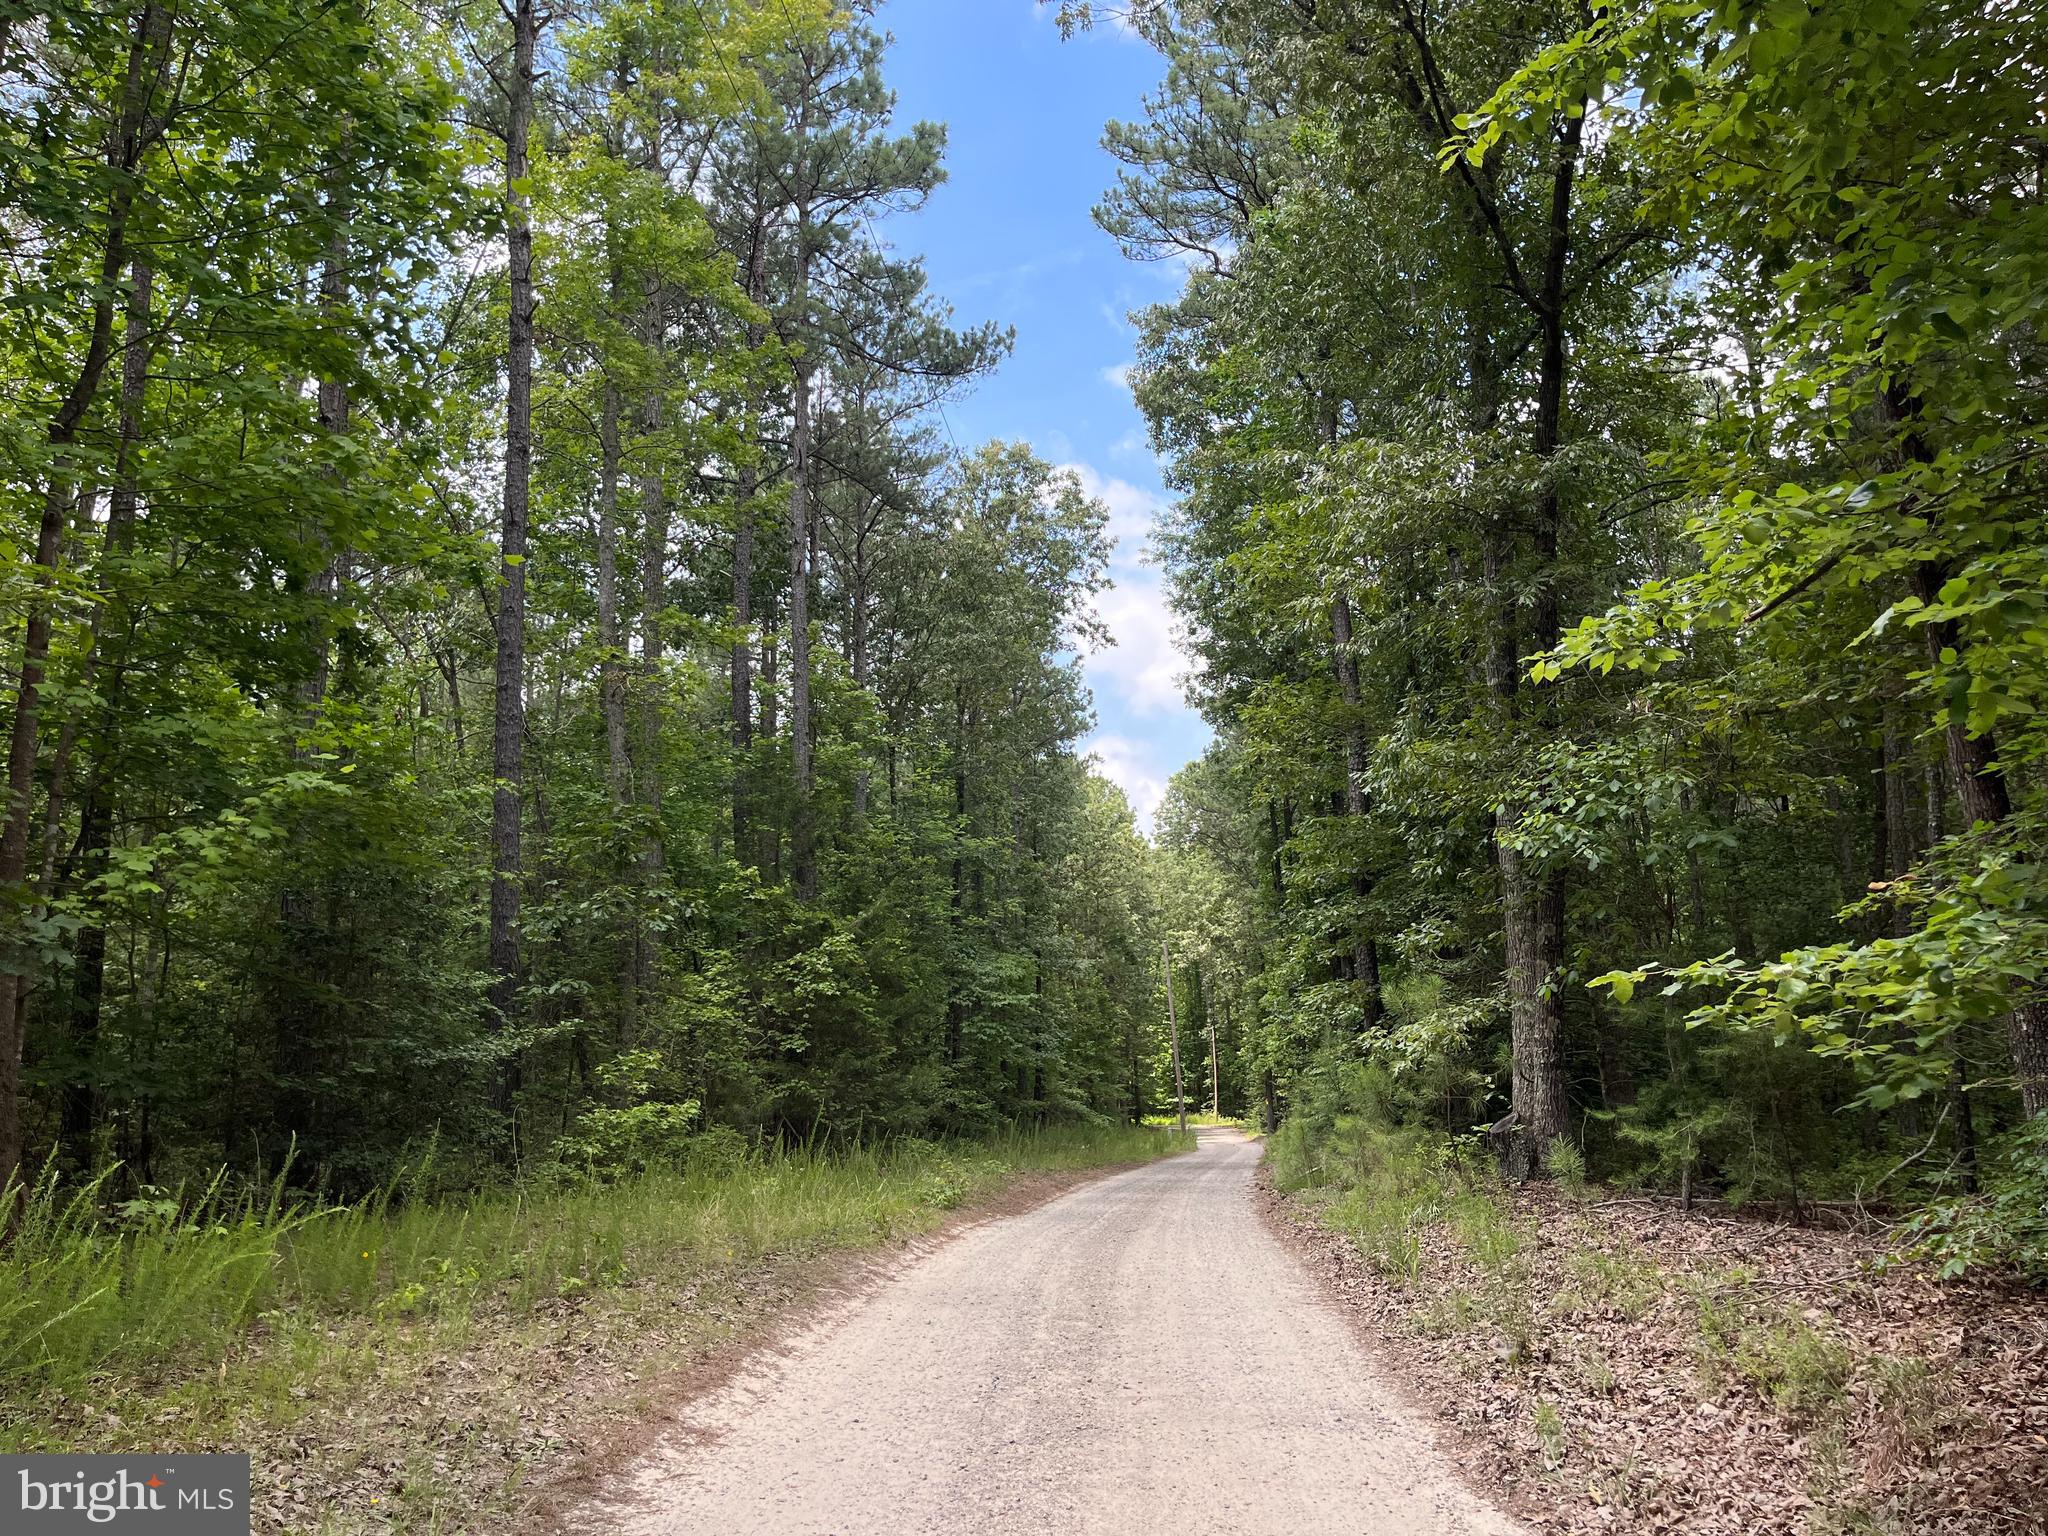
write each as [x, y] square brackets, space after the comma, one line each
[508, 730]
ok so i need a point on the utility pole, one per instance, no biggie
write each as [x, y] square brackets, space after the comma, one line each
[1180, 1098]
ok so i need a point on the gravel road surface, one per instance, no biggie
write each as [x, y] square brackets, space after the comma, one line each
[1138, 1354]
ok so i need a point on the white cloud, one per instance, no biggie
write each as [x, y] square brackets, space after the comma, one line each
[1117, 375]
[1144, 668]
[1132, 510]
[1127, 764]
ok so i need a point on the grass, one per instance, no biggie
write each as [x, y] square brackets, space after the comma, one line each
[1625, 1281]
[1202, 1118]
[1550, 1434]
[1802, 1369]
[1386, 1188]
[249, 1296]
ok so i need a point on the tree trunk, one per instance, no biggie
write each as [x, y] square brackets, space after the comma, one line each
[611, 640]
[802, 849]
[1180, 1096]
[79, 1114]
[1617, 1080]
[743, 568]
[654, 531]
[1533, 897]
[857, 647]
[611, 636]
[1215, 1065]
[299, 1015]
[508, 731]
[770, 834]
[956, 1004]
[1365, 958]
[126, 142]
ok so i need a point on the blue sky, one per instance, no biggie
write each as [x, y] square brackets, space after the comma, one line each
[1010, 238]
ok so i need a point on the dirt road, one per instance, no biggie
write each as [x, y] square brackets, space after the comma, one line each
[1139, 1354]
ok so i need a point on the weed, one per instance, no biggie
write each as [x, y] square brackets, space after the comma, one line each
[1550, 1434]
[1485, 1230]
[1453, 1312]
[1393, 1192]
[1596, 1373]
[1800, 1368]
[1625, 1281]
[1911, 1412]
[1803, 1370]
[1620, 1488]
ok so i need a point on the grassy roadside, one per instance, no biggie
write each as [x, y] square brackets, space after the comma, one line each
[1205, 1120]
[1619, 1364]
[410, 1364]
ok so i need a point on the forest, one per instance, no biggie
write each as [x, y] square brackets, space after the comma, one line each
[552, 801]
[505, 652]
[1607, 448]
[507, 655]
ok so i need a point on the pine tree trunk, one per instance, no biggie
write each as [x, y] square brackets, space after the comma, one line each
[611, 640]
[611, 635]
[508, 730]
[802, 835]
[770, 836]
[743, 569]
[1215, 1063]
[654, 561]
[1180, 1095]
[956, 915]
[654, 556]
[803, 858]
[863, 668]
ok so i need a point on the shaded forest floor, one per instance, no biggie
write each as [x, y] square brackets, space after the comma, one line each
[1617, 1365]
[468, 1391]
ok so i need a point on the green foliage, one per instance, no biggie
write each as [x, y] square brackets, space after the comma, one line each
[255, 875]
[637, 1132]
[1627, 689]
[1566, 1164]
[2006, 1225]
[1550, 1434]
[1627, 1282]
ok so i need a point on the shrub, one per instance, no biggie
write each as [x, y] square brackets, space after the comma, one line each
[635, 1134]
[2007, 1226]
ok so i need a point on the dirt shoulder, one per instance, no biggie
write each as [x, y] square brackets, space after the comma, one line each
[1619, 1365]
